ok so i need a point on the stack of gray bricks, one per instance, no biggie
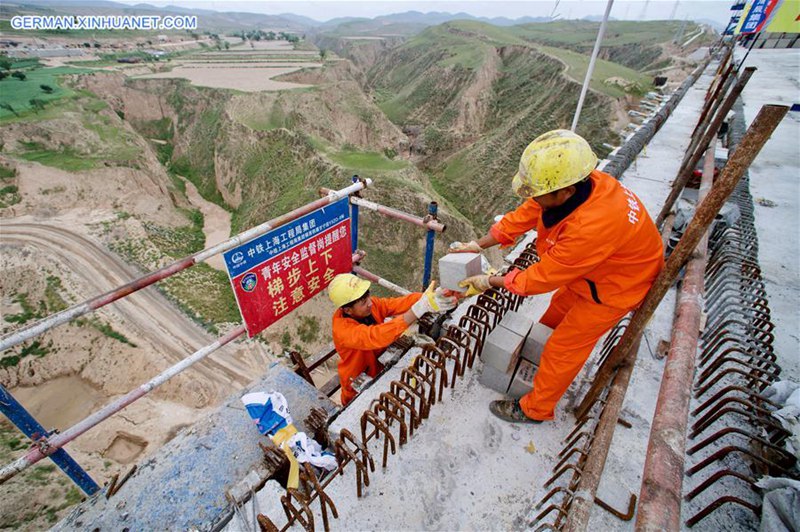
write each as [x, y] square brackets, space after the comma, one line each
[511, 354]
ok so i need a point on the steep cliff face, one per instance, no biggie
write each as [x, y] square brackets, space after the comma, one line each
[336, 110]
[363, 52]
[260, 155]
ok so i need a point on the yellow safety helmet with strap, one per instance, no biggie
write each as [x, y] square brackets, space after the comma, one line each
[555, 160]
[346, 288]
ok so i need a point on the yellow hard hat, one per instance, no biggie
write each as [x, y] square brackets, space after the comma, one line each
[346, 288]
[555, 160]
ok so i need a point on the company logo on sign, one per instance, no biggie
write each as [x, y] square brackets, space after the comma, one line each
[277, 272]
[249, 282]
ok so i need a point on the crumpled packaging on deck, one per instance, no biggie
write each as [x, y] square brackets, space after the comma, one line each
[270, 411]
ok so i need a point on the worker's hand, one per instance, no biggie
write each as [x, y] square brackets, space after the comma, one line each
[433, 300]
[445, 299]
[453, 293]
[470, 247]
[476, 284]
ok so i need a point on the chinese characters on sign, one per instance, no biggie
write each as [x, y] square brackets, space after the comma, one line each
[280, 270]
[755, 18]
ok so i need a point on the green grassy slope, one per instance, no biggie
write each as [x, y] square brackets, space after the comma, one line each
[527, 79]
[476, 178]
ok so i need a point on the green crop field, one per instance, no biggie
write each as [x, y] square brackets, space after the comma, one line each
[577, 64]
[18, 94]
[583, 33]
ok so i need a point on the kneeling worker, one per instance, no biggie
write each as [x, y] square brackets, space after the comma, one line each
[598, 248]
[359, 332]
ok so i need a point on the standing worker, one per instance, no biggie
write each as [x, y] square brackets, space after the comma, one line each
[360, 334]
[598, 248]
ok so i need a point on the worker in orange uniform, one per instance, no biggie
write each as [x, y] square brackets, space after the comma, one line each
[598, 248]
[361, 330]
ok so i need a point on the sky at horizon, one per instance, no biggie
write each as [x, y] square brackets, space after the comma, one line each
[324, 10]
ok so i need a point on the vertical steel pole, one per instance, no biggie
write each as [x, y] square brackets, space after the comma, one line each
[589, 70]
[433, 208]
[354, 221]
[28, 425]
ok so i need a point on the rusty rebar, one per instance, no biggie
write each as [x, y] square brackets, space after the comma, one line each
[686, 169]
[586, 491]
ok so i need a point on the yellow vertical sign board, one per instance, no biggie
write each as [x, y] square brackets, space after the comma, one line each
[785, 19]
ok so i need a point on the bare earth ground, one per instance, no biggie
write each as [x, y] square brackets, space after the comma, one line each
[251, 78]
[84, 368]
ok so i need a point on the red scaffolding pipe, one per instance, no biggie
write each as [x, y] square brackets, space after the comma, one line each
[90, 305]
[361, 272]
[425, 223]
[46, 447]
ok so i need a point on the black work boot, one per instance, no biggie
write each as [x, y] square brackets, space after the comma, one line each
[510, 410]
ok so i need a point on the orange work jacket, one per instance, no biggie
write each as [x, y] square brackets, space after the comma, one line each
[359, 345]
[607, 250]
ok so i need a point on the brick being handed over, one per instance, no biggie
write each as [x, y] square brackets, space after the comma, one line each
[456, 267]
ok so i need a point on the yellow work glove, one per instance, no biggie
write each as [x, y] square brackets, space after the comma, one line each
[470, 247]
[476, 284]
[433, 300]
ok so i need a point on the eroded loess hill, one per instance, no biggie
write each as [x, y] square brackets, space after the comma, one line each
[471, 96]
[260, 155]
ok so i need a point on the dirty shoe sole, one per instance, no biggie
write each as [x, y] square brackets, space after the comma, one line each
[509, 410]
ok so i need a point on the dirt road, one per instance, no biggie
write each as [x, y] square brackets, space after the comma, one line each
[153, 320]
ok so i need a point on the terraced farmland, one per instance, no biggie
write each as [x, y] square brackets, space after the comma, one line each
[244, 68]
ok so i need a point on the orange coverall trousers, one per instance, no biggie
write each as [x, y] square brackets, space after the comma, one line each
[577, 324]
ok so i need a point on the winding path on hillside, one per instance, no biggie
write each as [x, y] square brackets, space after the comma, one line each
[154, 319]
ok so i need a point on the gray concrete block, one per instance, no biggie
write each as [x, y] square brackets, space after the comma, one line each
[517, 322]
[522, 383]
[501, 348]
[456, 267]
[534, 343]
[494, 379]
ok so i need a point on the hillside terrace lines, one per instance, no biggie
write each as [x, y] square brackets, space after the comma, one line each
[247, 79]
[247, 70]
